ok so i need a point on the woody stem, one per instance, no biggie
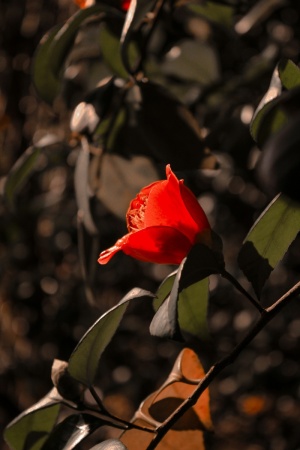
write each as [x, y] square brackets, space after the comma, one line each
[268, 315]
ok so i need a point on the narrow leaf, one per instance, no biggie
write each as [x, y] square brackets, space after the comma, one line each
[84, 360]
[268, 240]
[24, 166]
[71, 431]
[30, 429]
[82, 189]
[135, 18]
[221, 15]
[111, 50]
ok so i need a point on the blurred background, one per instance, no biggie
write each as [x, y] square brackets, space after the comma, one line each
[46, 303]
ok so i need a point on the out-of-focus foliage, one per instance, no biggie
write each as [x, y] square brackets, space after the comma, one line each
[186, 89]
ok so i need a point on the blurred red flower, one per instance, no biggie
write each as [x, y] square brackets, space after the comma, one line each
[124, 4]
[164, 221]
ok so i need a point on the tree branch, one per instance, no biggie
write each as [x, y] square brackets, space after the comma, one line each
[268, 315]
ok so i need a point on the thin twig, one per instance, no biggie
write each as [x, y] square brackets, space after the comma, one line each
[268, 315]
[107, 414]
[240, 288]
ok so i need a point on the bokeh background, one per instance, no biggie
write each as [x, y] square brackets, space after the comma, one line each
[44, 307]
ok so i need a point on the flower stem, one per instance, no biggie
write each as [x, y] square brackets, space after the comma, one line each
[240, 288]
[265, 318]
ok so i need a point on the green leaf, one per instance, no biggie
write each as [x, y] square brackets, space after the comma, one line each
[276, 107]
[24, 167]
[84, 360]
[111, 51]
[46, 83]
[194, 61]
[219, 14]
[184, 295]
[258, 123]
[268, 240]
[71, 431]
[289, 73]
[30, 429]
[54, 48]
[135, 19]
[164, 290]
[192, 309]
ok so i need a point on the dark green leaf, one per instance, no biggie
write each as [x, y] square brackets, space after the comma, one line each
[84, 360]
[164, 290]
[268, 101]
[152, 115]
[71, 431]
[276, 107]
[268, 240]
[54, 47]
[30, 429]
[46, 83]
[196, 61]
[289, 74]
[135, 18]
[111, 50]
[24, 166]
[219, 14]
[185, 295]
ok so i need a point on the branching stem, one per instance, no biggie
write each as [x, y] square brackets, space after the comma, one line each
[265, 318]
[243, 291]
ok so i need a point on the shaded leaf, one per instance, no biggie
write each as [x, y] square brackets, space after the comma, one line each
[192, 309]
[82, 190]
[46, 83]
[268, 240]
[192, 61]
[221, 15]
[289, 73]
[54, 48]
[30, 429]
[276, 107]
[135, 18]
[71, 431]
[185, 307]
[111, 50]
[110, 444]
[187, 432]
[152, 114]
[268, 100]
[24, 166]
[84, 360]
[120, 180]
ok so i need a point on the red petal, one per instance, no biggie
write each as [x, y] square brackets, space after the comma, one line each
[166, 206]
[107, 254]
[159, 244]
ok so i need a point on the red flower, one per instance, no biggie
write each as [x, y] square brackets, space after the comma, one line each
[164, 221]
[84, 3]
[125, 4]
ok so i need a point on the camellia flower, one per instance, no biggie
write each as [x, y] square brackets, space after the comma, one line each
[164, 221]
